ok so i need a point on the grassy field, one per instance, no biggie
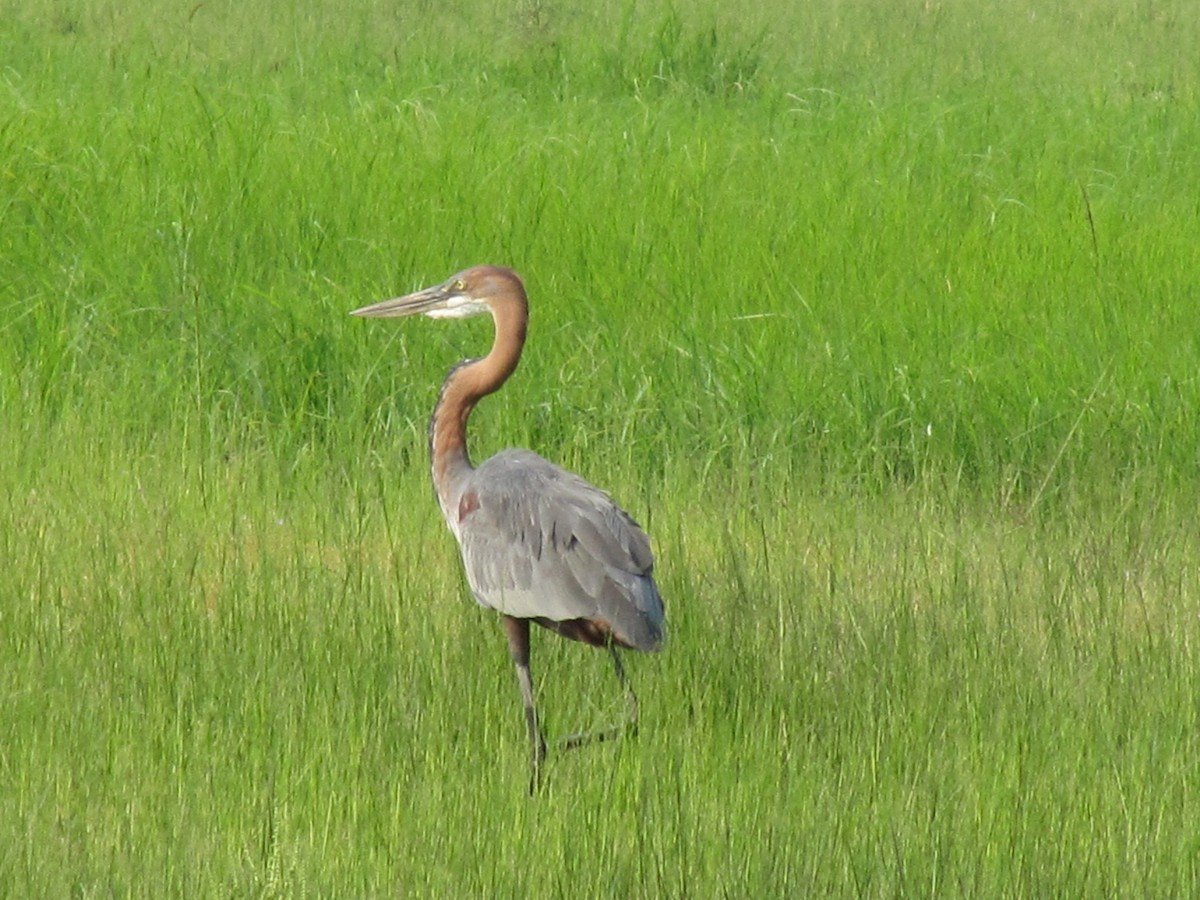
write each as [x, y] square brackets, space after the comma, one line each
[880, 317]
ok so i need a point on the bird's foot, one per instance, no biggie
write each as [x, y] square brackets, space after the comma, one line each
[575, 741]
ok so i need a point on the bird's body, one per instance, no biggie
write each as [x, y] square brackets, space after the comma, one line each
[539, 543]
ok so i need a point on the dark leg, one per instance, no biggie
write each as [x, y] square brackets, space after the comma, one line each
[609, 734]
[631, 700]
[517, 632]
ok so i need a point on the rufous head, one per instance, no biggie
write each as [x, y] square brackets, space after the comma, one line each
[469, 293]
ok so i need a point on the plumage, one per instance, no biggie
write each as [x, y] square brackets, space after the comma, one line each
[539, 544]
[543, 543]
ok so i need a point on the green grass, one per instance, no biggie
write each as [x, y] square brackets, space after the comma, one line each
[880, 319]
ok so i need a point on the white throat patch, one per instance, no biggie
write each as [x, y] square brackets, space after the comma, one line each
[458, 307]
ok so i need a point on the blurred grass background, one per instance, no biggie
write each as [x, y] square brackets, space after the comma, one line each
[880, 317]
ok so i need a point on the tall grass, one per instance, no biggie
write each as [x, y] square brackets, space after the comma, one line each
[880, 319]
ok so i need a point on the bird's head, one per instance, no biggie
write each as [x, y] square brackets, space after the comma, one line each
[469, 293]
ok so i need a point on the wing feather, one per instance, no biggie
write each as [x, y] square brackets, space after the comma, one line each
[542, 542]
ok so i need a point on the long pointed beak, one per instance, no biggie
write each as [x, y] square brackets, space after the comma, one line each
[408, 305]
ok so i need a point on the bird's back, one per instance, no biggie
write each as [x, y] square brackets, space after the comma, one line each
[539, 542]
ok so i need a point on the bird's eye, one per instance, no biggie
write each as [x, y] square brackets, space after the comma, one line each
[460, 285]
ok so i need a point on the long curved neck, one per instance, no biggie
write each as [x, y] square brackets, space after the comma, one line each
[464, 386]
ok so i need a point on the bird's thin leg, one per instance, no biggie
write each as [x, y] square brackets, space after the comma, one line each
[575, 741]
[517, 632]
[631, 700]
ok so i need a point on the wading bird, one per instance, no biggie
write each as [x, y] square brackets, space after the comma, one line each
[539, 544]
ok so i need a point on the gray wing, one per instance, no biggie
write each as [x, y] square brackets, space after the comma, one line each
[539, 541]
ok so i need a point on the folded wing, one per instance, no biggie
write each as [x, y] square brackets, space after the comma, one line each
[539, 542]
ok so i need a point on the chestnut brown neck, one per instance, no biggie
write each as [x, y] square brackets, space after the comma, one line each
[467, 383]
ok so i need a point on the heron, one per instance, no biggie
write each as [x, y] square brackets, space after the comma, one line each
[539, 544]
